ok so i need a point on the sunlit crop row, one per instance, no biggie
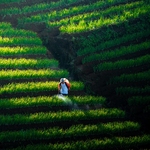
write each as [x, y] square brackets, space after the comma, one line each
[106, 143]
[24, 50]
[23, 63]
[74, 131]
[19, 41]
[49, 101]
[114, 42]
[132, 90]
[11, 1]
[67, 12]
[59, 116]
[5, 25]
[139, 101]
[122, 64]
[37, 7]
[15, 32]
[35, 87]
[134, 77]
[124, 50]
[88, 99]
[32, 74]
[107, 34]
[89, 24]
[91, 15]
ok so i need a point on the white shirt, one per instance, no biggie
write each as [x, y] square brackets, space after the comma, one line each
[64, 89]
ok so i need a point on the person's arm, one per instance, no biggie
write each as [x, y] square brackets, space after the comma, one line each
[68, 85]
[59, 87]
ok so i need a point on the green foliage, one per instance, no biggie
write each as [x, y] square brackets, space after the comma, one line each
[107, 45]
[134, 77]
[122, 64]
[37, 7]
[139, 100]
[11, 1]
[116, 53]
[4, 25]
[15, 32]
[59, 116]
[48, 101]
[88, 24]
[73, 131]
[35, 87]
[32, 74]
[132, 90]
[23, 63]
[19, 41]
[106, 143]
[22, 50]
[88, 99]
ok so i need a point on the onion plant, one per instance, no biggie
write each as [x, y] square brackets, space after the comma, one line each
[32, 74]
[135, 77]
[115, 42]
[88, 99]
[106, 143]
[132, 90]
[124, 50]
[139, 100]
[75, 115]
[74, 131]
[22, 50]
[48, 101]
[88, 23]
[37, 7]
[5, 25]
[35, 87]
[94, 39]
[23, 63]
[11, 1]
[15, 32]
[19, 41]
[122, 64]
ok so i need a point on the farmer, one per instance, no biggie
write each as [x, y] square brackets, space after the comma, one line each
[64, 86]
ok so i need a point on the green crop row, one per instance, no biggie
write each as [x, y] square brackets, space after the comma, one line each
[25, 102]
[52, 15]
[15, 32]
[124, 50]
[107, 143]
[11, 1]
[114, 42]
[91, 15]
[132, 90]
[23, 63]
[74, 131]
[107, 34]
[67, 12]
[59, 116]
[37, 7]
[35, 87]
[49, 101]
[136, 77]
[88, 99]
[5, 25]
[87, 23]
[32, 74]
[19, 41]
[24, 50]
[122, 64]
[139, 100]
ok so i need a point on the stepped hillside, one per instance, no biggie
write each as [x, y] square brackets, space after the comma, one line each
[102, 46]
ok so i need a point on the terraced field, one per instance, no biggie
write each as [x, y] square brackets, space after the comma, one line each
[102, 47]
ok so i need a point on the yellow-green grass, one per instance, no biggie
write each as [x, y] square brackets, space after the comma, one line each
[49, 101]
